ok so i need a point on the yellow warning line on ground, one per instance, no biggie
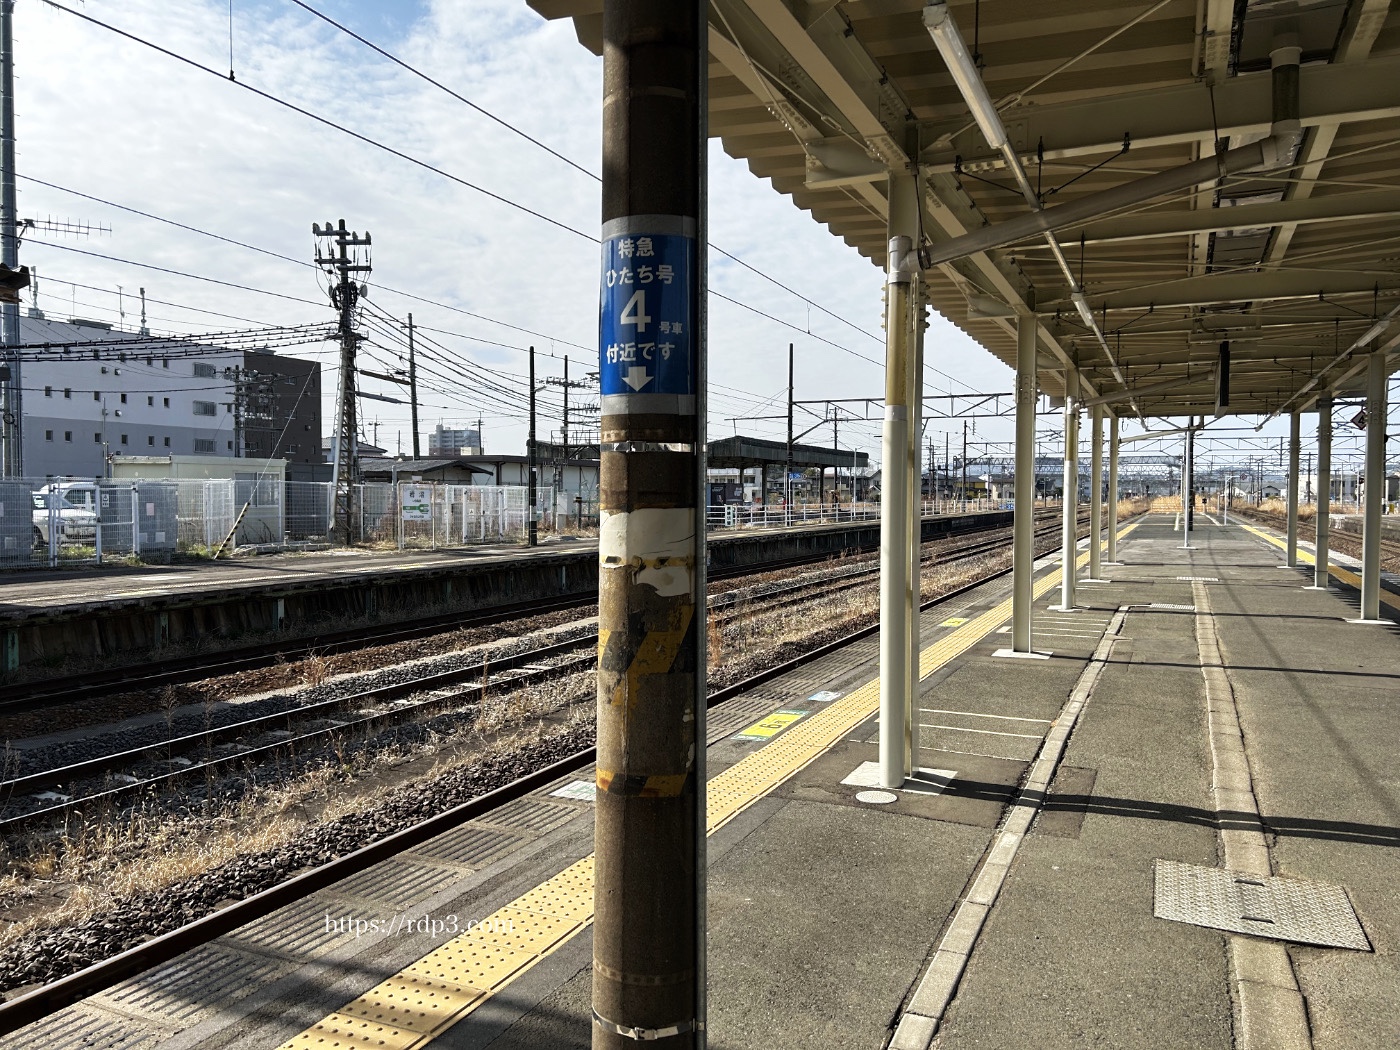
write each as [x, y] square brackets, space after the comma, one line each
[1332, 570]
[419, 1003]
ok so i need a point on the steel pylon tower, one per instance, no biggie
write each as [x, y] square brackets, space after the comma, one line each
[342, 264]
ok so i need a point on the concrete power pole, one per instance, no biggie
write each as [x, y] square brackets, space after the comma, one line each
[532, 528]
[341, 264]
[649, 929]
[11, 395]
[413, 388]
[787, 468]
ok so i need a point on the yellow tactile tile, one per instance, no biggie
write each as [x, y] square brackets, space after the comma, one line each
[409, 1009]
[1332, 570]
[342, 1032]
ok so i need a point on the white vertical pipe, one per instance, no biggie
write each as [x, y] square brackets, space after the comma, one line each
[1096, 494]
[1375, 487]
[916, 518]
[1069, 526]
[1023, 530]
[894, 510]
[1324, 492]
[1295, 420]
[1113, 491]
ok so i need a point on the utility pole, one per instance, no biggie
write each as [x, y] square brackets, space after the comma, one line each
[413, 388]
[787, 475]
[11, 393]
[964, 462]
[532, 528]
[341, 264]
[649, 975]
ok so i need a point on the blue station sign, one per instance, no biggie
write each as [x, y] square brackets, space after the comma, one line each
[645, 338]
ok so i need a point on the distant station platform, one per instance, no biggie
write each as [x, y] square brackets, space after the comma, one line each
[50, 591]
[1178, 829]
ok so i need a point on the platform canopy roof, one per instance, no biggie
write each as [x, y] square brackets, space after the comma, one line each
[826, 97]
[744, 452]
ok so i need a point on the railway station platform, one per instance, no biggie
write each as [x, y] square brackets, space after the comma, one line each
[1179, 829]
[52, 615]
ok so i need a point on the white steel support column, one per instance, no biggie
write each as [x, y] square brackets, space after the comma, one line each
[1323, 519]
[1096, 493]
[1113, 491]
[1295, 422]
[1069, 526]
[1023, 527]
[895, 510]
[1375, 488]
[916, 520]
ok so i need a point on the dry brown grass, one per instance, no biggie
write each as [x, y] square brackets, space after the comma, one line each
[113, 856]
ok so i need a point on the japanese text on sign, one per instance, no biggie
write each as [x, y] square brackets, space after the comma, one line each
[645, 316]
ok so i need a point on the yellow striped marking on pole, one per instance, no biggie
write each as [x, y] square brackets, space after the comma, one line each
[1332, 570]
[416, 1005]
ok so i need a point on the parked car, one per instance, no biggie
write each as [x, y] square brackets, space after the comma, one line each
[77, 523]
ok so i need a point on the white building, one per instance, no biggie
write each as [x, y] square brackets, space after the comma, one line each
[81, 409]
[446, 441]
[77, 411]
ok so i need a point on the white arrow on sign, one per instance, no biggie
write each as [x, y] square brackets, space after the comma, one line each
[636, 377]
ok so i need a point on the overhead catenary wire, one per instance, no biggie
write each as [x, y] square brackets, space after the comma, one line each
[417, 161]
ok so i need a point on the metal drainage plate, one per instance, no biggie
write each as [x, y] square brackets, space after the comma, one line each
[1265, 906]
[1200, 579]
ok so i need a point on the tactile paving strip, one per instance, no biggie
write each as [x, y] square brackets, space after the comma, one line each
[531, 816]
[181, 992]
[1265, 906]
[1332, 570]
[399, 883]
[470, 846]
[433, 993]
[302, 930]
[400, 1013]
[83, 1029]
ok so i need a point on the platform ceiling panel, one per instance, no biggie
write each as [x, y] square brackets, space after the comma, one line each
[825, 97]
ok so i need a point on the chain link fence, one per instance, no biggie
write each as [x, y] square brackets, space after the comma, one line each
[46, 522]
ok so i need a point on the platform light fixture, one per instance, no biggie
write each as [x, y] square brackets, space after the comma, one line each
[939, 22]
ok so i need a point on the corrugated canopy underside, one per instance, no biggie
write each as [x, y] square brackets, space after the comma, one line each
[824, 97]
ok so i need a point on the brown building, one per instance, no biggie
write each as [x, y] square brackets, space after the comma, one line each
[277, 408]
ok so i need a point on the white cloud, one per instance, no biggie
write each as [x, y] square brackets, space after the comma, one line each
[109, 117]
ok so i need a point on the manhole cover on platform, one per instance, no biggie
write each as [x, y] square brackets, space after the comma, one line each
[1282, 909]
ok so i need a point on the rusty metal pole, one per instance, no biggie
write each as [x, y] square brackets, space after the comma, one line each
[648, 935]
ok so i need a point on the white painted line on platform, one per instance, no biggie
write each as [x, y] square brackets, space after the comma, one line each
[919, 1022]
[978, 714]
[982, 732]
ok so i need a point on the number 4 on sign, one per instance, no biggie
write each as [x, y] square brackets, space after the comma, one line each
[635, 311]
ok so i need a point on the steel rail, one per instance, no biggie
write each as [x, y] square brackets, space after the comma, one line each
[50, 998]
[62, 776]
[53, 692]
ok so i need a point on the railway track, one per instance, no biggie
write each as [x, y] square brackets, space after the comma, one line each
[1346, 542]
[370, 710]
[51, 692]
[103, 971]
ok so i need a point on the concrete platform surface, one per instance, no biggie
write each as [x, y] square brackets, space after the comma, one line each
[977, 909]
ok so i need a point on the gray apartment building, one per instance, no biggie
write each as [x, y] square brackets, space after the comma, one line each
[449, 441]
[158, 400]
